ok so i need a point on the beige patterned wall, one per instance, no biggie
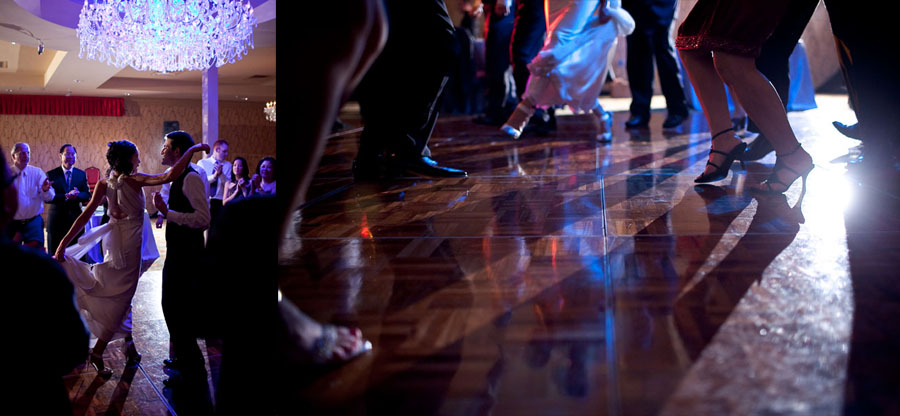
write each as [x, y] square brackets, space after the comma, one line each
[242, 124]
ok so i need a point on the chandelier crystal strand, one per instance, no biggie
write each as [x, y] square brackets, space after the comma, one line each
[165, 35]
[270, 111]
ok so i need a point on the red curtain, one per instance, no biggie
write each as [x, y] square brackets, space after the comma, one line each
[56, 105]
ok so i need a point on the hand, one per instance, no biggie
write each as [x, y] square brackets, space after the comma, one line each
[501, 9]
[241, 182]
[60, 254]
[46, 185]
[159, 221]
[72, 194]
[255, 181]
[160, 204]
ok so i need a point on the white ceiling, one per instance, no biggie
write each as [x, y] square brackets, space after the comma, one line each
[59, 71]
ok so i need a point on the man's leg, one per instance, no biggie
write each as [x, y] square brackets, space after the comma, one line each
[398, 96]
[639, 66]
[500, 85]
[669, 77]
[529, 33]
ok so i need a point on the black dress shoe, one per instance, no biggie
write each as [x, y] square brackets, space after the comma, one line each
[674, 120]
[636, 122]
[173, 364]
[758, 148]
[424, 166]
[851, 131]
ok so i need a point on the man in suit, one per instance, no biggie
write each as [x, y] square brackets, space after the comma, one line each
[398, 95]
[187, 214]
[653, 23]
[71, 186]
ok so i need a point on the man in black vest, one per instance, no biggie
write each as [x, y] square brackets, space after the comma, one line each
[187, 215]
[71, 186]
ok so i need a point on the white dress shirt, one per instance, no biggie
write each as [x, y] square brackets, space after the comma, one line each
[31, 196]
[217, 189]
[195, 191]
[164, 192]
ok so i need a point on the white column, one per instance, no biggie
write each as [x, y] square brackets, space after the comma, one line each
[210, 105]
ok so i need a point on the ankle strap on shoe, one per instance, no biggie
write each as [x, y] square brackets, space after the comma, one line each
[791, 152]
[722, 132]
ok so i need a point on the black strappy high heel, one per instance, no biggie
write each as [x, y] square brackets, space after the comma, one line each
[773, 177]
[721, 172]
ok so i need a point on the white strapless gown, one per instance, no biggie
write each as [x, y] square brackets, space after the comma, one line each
[103, 291]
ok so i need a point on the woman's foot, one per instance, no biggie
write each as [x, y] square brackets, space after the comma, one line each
[788, 167]
[725, 149]
[603, 124]
[518, 119]
[312, 342]
[96, 361]
[133, 357]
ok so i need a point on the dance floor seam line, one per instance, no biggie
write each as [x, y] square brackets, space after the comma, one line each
[159, 393]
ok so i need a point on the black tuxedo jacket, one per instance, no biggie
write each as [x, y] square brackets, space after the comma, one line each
[63, 213]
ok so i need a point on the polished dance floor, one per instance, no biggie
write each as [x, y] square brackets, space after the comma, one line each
[567, 276]
[571, 277]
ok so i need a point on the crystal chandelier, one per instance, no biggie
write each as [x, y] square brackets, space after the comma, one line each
[270, 111]
[165, 35]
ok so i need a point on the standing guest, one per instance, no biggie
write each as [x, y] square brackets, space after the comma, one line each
[651, 39]
[39, 381]
[719, 42]
[263, 182]
[34, 189]
[71, 187]
[238, 185]
[501, 90]
[218, 173]
[573, 65]
[187, 211]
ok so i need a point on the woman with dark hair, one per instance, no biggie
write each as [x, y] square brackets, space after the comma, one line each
[263, 182]
[104, 291]
[238, 186]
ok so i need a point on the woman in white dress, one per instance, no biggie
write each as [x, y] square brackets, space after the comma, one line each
[572, 66]
[103, 291]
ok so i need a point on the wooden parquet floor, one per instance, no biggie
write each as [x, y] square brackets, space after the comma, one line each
[567, 276]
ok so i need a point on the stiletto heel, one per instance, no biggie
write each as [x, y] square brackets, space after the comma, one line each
[97, 362]
[517, 121]
[773, 177]
[131, 354]
[721, 172]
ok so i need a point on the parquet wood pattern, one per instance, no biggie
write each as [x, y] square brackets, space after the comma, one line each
[567, 276]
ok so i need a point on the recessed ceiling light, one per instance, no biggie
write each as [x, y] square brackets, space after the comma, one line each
[245, 98]
[77, 81]
[13, 43]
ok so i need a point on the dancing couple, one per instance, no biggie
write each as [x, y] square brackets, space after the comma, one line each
[103, 291]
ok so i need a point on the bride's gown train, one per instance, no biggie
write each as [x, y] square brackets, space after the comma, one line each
[103, 291]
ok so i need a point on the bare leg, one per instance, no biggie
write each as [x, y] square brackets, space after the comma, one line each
[711, 91]
[96, 358]
[761, 101]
